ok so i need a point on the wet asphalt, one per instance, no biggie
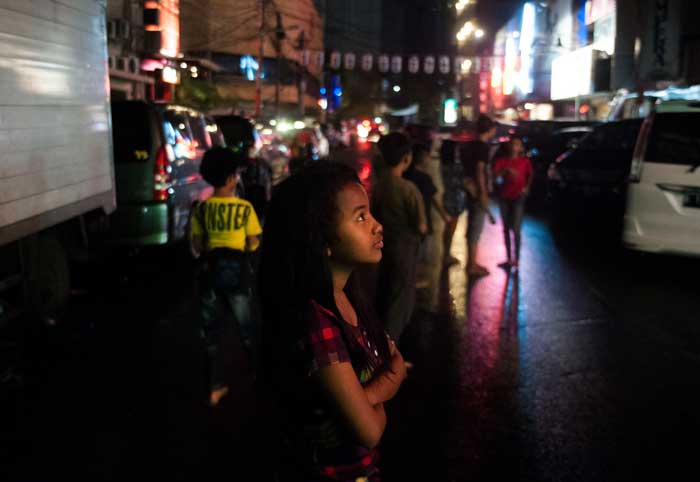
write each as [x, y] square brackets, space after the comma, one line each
[581, 367]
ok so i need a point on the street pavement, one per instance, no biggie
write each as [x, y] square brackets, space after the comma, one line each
[581, 367]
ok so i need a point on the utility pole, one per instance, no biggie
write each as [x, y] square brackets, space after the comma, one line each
[261, 57]
[279, 36]
[302, 78]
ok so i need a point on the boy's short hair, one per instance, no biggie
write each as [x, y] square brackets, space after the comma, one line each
[220, 163]
[484, 124]
[394, 146]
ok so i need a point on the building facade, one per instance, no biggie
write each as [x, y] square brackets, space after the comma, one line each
[227, 38]
[143, 48]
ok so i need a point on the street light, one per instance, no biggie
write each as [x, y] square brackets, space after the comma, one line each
[397, 88]
[479, 33]
[461, 5]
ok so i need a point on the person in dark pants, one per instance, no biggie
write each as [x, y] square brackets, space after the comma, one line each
[475, 155]
[398, 205]
[224, 230]
[425, 185]
[454, 195]
[513, 177]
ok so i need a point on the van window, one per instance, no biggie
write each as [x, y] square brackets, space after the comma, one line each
[675, 139]
[178, 135]
[131, 131]
[199, 132]
[215, 134]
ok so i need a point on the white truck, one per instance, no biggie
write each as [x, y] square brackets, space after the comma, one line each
[56, 170]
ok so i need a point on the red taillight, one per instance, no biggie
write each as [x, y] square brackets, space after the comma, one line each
[161, 176]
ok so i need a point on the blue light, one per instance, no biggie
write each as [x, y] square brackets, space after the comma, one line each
[337, 91]
[323, 91]
[249, 66]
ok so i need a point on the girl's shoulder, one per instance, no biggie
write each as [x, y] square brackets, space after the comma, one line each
[319, 319]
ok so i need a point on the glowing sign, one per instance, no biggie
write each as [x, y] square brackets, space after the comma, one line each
[527, 36]
[571, 74]
[450, 114]
[170, 75]
[249, 66]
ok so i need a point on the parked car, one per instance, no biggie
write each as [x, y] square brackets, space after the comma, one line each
[663, 199]
[589, 179]
[545, 153]
[536, 133]
[158, 148]
[215, 133]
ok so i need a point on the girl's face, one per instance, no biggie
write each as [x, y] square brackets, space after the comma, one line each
[516, 147]
[360, 236]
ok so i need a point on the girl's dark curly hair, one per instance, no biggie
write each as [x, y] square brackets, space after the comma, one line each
[300, 225]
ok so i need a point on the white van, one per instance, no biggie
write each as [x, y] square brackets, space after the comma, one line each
[663, 199]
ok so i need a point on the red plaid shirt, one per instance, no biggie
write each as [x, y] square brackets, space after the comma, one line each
[336, 455]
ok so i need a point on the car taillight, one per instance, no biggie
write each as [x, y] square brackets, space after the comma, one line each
[162, 187]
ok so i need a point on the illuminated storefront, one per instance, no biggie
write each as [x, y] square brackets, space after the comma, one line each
[162, 43]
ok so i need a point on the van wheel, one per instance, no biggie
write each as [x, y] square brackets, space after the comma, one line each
[48, 278]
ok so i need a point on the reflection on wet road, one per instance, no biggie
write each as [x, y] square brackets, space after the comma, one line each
[538, 375]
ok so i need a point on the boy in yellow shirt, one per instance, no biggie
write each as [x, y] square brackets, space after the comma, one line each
[224, 230]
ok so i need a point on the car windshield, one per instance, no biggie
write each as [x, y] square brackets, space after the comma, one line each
[675, 139]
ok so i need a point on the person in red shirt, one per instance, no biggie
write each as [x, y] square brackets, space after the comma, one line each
[513, 177]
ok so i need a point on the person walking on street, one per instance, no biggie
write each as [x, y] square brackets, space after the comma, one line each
[454, 195]
[474, 156]
[328, 364]
[424, 182]
[224, 230]
[512, 178]
[429, 254]
[398, 205]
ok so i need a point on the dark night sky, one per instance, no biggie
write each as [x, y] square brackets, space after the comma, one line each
[492, 14]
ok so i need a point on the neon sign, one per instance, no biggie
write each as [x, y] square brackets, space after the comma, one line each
[249, 66]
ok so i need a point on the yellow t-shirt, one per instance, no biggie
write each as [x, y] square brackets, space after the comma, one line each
[228, 221]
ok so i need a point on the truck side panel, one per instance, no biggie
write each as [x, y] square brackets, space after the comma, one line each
[55, 141]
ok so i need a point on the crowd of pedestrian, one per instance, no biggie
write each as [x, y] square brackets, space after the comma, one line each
[325, 348]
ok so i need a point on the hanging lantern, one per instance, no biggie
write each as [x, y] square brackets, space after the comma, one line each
[444, 64]
[305, 58]
[349, 61]
[320, 58]
[429, 64]
[367, 62]
[335, 60]
[413, 64]
[396, 64]
[457, 65]
[383, 63]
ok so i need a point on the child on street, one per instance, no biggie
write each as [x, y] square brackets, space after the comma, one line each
[512, 178]
[224, 230]
[327, 361]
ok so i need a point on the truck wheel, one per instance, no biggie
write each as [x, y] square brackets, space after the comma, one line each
[49, 278]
